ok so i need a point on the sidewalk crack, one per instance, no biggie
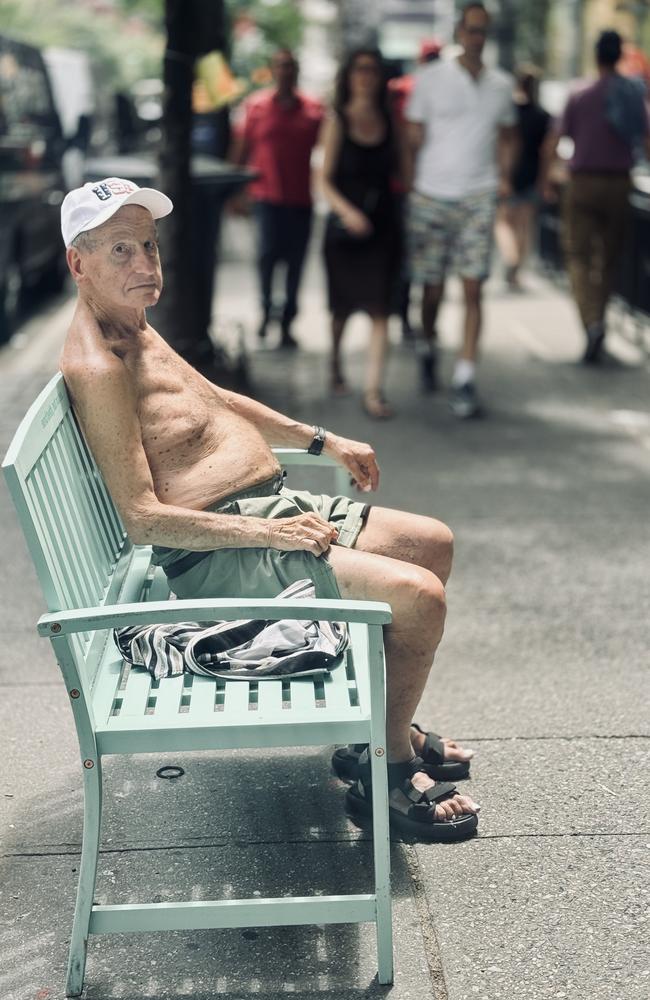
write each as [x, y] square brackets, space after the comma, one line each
[431, 946]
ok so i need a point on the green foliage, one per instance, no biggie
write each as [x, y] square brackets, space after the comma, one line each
[279, 22]
[121, 50]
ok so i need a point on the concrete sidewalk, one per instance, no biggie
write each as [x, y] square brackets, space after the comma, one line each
[543, 670]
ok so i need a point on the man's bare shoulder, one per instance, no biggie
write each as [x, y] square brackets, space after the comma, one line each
[87, 363]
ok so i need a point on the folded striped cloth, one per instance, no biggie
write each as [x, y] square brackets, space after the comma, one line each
[247, 649]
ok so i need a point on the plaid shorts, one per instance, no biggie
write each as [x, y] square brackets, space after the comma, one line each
[452, 236]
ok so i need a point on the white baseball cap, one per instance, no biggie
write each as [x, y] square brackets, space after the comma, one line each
[89, 206]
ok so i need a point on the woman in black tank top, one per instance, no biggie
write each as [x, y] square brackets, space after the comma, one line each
[362, 158]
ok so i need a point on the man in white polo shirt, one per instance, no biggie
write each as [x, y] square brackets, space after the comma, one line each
[461, 124]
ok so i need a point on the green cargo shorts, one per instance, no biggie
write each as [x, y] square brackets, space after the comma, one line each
[263, 572]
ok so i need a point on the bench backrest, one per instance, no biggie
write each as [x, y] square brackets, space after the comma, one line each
[74, 533]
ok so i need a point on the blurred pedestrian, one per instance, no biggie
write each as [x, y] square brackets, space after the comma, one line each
[516, 213]
[280, 129]
[461, 124]
[607, 121]
[363, 152]
[400, 89]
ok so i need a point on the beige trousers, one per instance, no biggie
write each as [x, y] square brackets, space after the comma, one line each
[596, 213]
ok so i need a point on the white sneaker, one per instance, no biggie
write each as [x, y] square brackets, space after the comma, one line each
[463, 401]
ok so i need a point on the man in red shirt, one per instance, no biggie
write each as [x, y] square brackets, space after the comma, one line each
[280, 130]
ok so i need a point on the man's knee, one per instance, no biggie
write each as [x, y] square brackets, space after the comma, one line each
[421, 591]
[444, 540]
[473, 291]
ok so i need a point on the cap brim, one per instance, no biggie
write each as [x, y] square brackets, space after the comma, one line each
[158, 203]
[155, 201]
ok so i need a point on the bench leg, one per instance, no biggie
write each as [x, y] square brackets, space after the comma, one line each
[87, 875]
[380, 826]
[381, 850]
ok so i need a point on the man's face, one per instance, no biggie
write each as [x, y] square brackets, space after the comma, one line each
[473, 31]
[123, 267]
[284, 70]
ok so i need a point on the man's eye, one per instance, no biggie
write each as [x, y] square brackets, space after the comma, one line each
[121, 248]
[151, 246]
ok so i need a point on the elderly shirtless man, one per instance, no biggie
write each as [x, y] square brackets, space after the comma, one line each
[190, 468]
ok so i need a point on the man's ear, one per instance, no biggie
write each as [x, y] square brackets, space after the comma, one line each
[75, 263]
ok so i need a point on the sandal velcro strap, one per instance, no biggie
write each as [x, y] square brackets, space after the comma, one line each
[433, 751]
[439, 792]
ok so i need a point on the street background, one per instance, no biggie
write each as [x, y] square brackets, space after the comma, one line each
[543, 671]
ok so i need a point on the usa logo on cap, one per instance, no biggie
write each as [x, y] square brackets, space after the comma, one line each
[107, 189]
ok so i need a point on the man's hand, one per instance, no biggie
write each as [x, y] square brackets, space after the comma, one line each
[308, 532]
[358, 458]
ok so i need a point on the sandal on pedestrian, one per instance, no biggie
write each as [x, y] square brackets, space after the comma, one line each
[345, 760]
[339, 386]
[376, 406]
[410, 811]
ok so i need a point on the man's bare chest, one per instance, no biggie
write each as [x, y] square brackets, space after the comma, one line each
[176, 409]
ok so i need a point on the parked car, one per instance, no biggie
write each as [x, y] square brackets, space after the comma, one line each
[31, 180]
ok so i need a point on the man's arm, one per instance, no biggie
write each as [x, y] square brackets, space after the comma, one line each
[277, 429]
[104, 403]
[413, 144]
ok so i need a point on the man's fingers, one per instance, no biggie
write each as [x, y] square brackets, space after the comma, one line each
[366, 475]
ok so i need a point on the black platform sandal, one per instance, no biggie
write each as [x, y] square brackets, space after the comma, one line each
[345, 760]
[410, 811]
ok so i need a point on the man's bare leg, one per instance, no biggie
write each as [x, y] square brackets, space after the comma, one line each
[417, 598]
[423, 541]
[426, 542]
[473, 294]
[426, 346]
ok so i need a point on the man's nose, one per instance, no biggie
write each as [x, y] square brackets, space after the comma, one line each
[145, 262]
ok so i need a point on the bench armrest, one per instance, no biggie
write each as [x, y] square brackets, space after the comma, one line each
[300, 456]
[57, 623]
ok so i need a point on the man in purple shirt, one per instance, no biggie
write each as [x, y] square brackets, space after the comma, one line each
[608, 123]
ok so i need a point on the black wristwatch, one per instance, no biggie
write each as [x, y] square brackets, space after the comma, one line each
[318, 442]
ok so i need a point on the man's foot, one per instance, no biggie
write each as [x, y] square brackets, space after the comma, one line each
[408, 333]
[427, 354]
[464, 402]
[512, 280]
[429, 371]
[287, 339]
[595, 340]
[263, 328]
[444, 759]
[417, 806]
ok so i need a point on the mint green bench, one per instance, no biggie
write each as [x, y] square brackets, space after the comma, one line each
[94, 580]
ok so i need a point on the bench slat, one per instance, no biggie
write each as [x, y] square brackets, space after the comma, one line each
[136, 694]
[336, 685]
[359, 683]
[61, 567]
[85, 502]
[72, 512]
[269, 699]
[112, 530]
